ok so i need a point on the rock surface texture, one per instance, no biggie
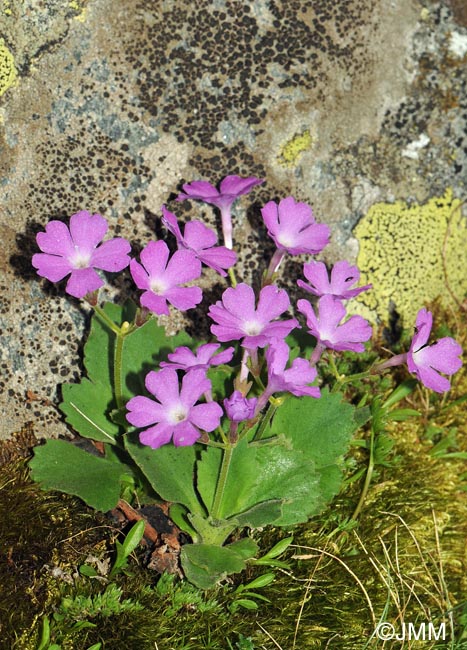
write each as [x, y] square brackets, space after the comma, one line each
[355, 106]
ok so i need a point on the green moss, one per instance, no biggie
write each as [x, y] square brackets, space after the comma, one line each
[411, 253]
[404, 559]
[7, 68]
[291, 150]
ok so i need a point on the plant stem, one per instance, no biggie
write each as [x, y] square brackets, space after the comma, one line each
[118, 368]
[368, 477]
[265, 421]
[232, 277]
[106, 320]
[221, 481]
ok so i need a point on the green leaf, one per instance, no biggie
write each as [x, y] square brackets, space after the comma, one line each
[133, 538]
[205, 564]
[246, 548]
[278, 548]
[246, 603]
[143, 350]
[400, 415]
[59, 465]
[262, 514]
[178, 515]
[401, 392]
[259, 582]
[168, 469]
[292, 477]
[87, 406]
[319, 432]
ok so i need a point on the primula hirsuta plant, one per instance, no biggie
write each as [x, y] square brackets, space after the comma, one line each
[237, 432]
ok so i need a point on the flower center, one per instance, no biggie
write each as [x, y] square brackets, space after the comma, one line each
[253, 328]
[80, 260]
[177, 413]
[285, 240]
[158, 287]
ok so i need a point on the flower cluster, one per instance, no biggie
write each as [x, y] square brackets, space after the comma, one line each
[181, 408]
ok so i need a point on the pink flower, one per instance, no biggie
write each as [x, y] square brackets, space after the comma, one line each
[205, 357]
[240, 408]
[296, 379]
[236, 316]
[202, 241]
[76, 251]
[175, 414]
[160, 278]
[293, 228]
[231, 187]
[326, 329]
[343, 276]
[427, 361]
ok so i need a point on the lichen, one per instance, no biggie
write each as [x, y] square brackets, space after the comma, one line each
[7, 68]
[292, 149]
[412, 254]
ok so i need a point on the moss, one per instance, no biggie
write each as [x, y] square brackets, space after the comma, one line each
[292, 149]
[411, 253]
[8, 74]
[40, 531]
[404, 559]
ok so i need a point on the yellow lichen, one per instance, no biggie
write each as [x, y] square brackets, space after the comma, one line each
[7, 68]
[412, 254]
[292, 149]
[79, 5]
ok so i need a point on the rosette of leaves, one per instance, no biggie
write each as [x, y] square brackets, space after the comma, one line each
[283, 478]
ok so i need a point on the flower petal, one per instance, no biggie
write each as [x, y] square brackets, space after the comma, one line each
[87, 230]
[272, 303]
[235, 185]
[206, 416]
[139, 275]
[83, 281]
[56, 239]
[163, 384]
[154, 258]
[157, 436]
[112, 255]
[156, 304]
[240, 301]
[52, 267]
[199, 236]
[194, 384]
[183, 267]
[201, 190]
[184, 298]
[185, 434]
[144, 411]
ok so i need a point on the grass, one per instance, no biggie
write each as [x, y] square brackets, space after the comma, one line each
[403, 560]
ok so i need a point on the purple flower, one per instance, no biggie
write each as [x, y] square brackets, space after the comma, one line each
[326, 329]
[205, 357]
[160, 278]
[293, 228]
[237, 318]
[239, 408]
[75, 251]
[175, 415]
[202, 241]
[427, 361]
[295, 380]
[230, 189]
[343, 276]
